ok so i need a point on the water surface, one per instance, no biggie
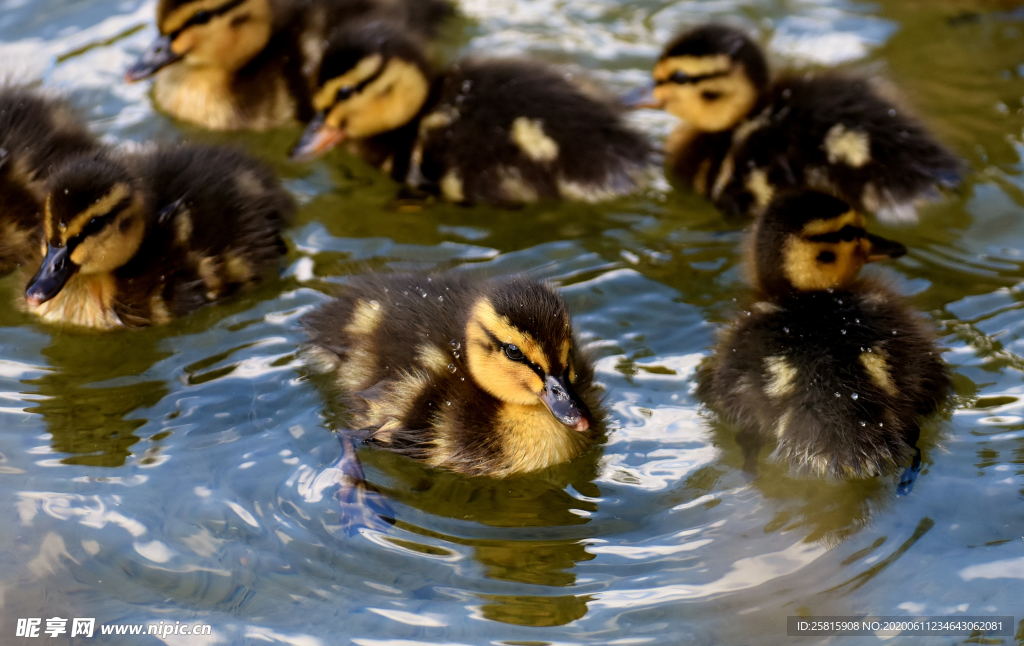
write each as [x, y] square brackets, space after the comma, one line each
[187, 473]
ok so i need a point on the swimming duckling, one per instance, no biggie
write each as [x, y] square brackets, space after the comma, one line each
[498, 131]
[483, 378]
[834, 368]
[746, 138]
[143, 239]
[249, 64]
[36, 133]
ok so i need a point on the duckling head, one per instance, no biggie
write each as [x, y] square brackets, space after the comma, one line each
[216, 34]
[93, 221]
[810, 241]
[710, 77]
[374, 78]
[519, 349]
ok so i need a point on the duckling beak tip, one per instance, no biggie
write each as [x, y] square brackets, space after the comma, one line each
[156, 57]
[560, 398]
[641, 97]
[318, 139]
[884, 249]
[54, 272]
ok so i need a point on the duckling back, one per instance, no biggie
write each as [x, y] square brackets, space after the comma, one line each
[838, 380]
[402, 347]
[506, 131]
[833, 133]
[218, 217]
[36, 133]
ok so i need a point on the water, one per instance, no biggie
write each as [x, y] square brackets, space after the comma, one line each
[187, 473]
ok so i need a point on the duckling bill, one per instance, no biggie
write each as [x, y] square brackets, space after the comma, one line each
[491, 131]
[138, 240]
[833, 368]
[746, 137]
[481, 377]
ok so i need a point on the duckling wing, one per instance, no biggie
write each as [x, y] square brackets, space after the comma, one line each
[835, 133]
[215, 224]
[505, 131]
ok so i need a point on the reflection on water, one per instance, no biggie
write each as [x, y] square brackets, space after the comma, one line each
[191, 473]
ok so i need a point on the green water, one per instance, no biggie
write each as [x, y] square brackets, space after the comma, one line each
[186, 473]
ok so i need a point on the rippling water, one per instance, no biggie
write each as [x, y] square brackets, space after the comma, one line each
[187, 473]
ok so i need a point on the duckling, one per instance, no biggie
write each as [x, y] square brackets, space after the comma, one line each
[834, 368]
[36, 133]
[496, 131]
[484, 378]
[138, 240]
[248, 64]
[746, 138]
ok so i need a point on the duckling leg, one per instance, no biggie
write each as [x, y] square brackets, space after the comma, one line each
[750, 441]
[360, 504]
[909, 475]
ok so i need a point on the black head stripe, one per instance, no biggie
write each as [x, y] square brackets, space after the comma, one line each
[203, 17]
[846, 234]
[501, 346]
[98, 223]
[681, 78]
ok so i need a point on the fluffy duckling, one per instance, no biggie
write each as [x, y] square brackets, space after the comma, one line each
[497, 131]
[746, 138]
[143, 239]
[483, 378]
[249, 64]
[36, 133]
[834, 368]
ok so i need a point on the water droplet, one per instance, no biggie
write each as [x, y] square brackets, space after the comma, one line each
[843, 331]
[455, 344]
[881, 424]
[839, 300]
[830, 290]
[462, 379]
[440, 298]
[894, 332]
[856, 320]
[786, 330]
[374, 305]
[854, 396]
[863, 423]
[452, 368]
[838, 395]
[65, 191]
[892, 112]
[455, 353]
[447, 402]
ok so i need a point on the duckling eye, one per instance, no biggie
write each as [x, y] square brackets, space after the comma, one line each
[709, 95]
[201, 17]
[513, 352]
[678, 77]
[826, 257]
[344, 94]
